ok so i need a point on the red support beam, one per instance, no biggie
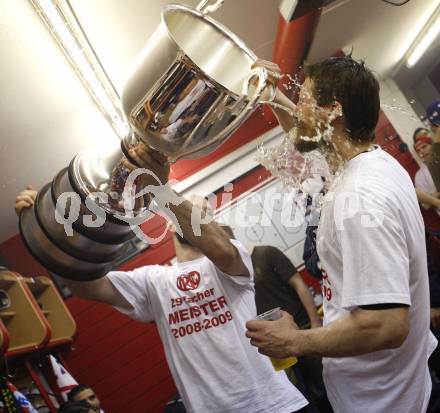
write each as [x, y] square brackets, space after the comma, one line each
[293, 41]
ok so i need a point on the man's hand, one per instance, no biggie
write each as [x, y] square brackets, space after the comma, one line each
[427, 200]
[274, 338]
[152, 160]
[272, 68]
[435, 318]
[25, 199]
[285, 109]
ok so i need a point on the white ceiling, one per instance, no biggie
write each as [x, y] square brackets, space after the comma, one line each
[47, 116]
[377, 32]
[119, 29]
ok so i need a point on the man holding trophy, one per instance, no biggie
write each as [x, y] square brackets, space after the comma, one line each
[200, 306]
[184, 98]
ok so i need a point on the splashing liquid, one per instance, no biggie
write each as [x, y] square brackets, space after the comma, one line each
[293, 167]
[289, 165]
[405, 111]
[314, 126]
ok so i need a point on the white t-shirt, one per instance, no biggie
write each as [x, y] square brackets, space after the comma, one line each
[371, 243]
[423, 181]
[200, 314]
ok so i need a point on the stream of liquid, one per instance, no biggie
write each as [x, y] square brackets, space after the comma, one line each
[284, 160]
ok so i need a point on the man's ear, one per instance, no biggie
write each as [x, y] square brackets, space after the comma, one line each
[333, 112]
[336, 109]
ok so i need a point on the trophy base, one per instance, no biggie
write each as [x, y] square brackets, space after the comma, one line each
[51, 256]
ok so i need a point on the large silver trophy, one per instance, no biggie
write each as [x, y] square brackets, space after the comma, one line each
[186, 94]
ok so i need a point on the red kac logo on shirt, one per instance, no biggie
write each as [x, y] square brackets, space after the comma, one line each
[187, 282]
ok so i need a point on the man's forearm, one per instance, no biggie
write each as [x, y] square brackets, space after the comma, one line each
[82, 289]
[213, 241]
[286, 120]
[209, 232]
[427, 199]
[359, 332]
[101, 290]
[434, 163]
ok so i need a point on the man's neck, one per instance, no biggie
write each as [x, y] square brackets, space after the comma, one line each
[186, 252]
[342, 149]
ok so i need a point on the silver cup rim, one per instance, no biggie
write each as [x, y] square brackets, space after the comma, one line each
[217, 26]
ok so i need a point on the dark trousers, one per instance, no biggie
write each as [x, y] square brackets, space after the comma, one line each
[306, 375]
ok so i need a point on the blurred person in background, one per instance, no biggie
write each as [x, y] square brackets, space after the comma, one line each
[85, 393]
[279, 284]
[433, 117]
[427, 192]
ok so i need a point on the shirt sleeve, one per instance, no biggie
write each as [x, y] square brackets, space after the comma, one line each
[375, 260]
[134, 286]
[281, 264]
[247, 261]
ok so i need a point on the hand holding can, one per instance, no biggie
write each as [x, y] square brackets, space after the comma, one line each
[278, 364]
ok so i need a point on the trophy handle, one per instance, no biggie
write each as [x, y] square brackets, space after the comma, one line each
[262, 74]
[205, 7]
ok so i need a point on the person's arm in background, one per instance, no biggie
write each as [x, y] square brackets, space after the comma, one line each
[427, 200]
[101, 290]
[435, 319]
[434, 294]
[304, 294]
[434, 163]
[286, 271]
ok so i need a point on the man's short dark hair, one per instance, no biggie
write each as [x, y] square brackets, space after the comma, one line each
[344, 80]
[76, 390]
[75, 407]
